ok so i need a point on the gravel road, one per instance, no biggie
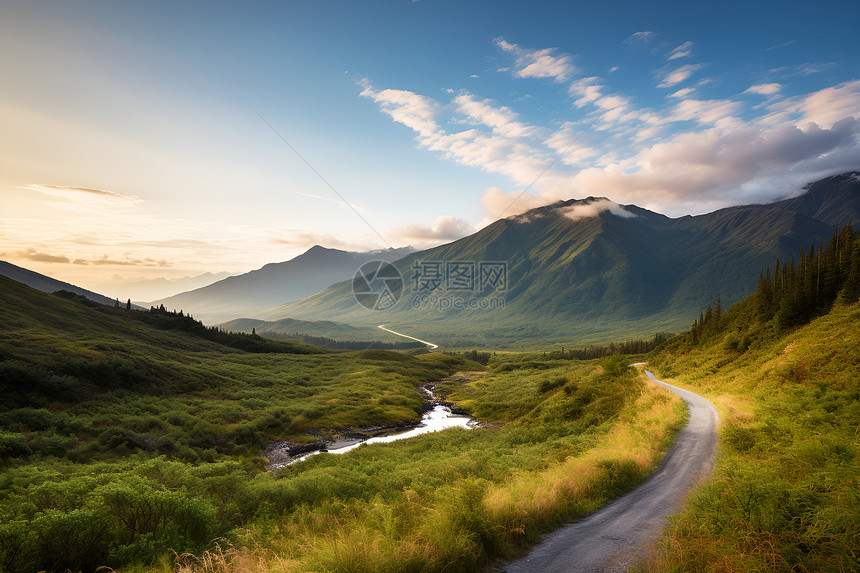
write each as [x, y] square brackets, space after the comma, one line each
[623, 531]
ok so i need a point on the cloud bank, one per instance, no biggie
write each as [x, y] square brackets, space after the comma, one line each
[692, 154]
[591, 209]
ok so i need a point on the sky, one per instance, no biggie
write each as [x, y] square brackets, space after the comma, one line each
[168, 139]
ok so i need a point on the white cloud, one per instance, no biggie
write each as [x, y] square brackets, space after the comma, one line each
[630, 153]
[682, 93]
[718, 167]
[531, 63]
[593, 208]
[685, 50]
[500, 203]
[588, 90]
[706, 111]
[805, 69]
[678, 75]
[640, 37]
[443, 230]
[84, 197]
[415, 111]
[763, 89]
[830, 105]
[501, 119]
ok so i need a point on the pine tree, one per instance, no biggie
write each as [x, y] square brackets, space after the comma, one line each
[851, 289]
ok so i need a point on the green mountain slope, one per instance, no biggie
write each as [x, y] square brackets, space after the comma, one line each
[47, 284]
[101, 381]
[325, 328]
[603, 277]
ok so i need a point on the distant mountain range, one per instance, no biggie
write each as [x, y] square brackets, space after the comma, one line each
[274, 284]
[47, 284]
[324, 328]
[574, 272]
[161, 287]
[591, 271]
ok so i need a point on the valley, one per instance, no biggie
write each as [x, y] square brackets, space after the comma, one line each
[148, 441]
[425, 286]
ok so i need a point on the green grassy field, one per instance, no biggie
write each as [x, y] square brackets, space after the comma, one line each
[785, 492]
[134, 440]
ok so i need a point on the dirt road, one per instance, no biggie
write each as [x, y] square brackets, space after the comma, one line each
[614, 537]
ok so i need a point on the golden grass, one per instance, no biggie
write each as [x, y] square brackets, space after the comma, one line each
[466, 520]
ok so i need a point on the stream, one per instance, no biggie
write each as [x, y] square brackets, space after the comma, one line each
[438, 418]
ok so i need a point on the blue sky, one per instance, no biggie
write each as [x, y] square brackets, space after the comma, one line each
[157, 139]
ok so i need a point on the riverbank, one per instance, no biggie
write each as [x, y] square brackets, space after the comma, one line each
[438, 415]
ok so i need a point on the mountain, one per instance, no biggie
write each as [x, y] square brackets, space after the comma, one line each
[161, 287]
[583, 271]
[47, 284]
[324, 328]
[274, 284]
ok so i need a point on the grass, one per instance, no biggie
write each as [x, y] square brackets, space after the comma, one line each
[137, 446]
[785, 492]
[457, 500]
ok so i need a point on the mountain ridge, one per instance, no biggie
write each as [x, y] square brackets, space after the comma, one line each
[607, 276]
[274, 283]
[48, 284]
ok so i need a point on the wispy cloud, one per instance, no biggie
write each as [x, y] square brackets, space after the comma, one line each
[800, 70]
[685, 50]
[764, 89]
[678, 75]
[444, 229]
[644, 37]
[593, 208]
[415, 111]
[32, 254]
[707, 112]
[682, 93]
[84, 194]
[539, 63]
[38, 256]
[691, 154]
[500, 118]
[782, 45]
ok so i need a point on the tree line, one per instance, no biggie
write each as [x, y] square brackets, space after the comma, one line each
[792, 294]
[640, 346]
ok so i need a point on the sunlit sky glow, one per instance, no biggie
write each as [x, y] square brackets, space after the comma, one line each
[157, 139]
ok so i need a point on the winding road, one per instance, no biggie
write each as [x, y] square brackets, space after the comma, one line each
[429, 344]
[615, 537]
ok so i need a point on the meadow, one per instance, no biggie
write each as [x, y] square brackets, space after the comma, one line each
[134, 441]
[783, 369]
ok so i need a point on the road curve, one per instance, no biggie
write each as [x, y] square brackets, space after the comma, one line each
[429, 344]
[613, 538]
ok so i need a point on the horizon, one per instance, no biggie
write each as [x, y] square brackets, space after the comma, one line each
[224, 139]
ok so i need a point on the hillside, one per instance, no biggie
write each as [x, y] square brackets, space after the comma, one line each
[156, 378]
[47, 284]
[622, 273]
[251, 293]
[783, 368]
[112, 420]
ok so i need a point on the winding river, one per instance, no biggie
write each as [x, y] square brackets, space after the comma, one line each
[438, 418]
